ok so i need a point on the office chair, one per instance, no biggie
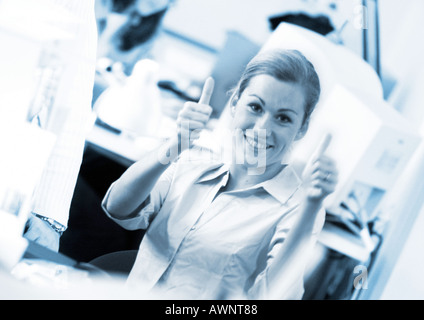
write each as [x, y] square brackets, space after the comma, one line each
[116, 263]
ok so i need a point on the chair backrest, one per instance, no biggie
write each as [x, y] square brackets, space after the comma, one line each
[120, 262]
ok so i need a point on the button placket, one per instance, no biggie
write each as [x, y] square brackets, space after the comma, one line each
[218, 187]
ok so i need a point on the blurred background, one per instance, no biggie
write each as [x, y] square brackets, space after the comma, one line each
[152, 56]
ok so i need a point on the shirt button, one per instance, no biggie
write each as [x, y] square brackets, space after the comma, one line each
[193, 228]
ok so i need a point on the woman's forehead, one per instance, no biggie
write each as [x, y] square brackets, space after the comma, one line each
[275, 92]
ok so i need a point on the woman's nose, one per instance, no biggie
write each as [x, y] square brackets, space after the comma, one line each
[264, 123]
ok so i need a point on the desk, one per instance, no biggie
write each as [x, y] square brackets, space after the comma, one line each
[118, 146]
[45, 274]
[126, 149]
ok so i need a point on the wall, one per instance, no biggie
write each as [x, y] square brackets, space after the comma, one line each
[208, 20]
[397, 273]
[407, 278]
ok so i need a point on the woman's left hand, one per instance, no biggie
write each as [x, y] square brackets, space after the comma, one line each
[320, 176]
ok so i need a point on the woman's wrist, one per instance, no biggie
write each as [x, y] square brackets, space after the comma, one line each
[169, 151]
[56, 226]
[311, 206]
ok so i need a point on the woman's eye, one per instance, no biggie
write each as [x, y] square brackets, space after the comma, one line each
[255, 107]
[284, 119]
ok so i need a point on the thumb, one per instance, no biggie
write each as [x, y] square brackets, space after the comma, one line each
[323, 145]
[319, 151]
[207, 91]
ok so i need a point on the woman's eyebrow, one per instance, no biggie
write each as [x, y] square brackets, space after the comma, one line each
[286, 110]
[256, 96]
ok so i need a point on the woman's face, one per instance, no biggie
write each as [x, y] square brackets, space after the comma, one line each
[267, 118]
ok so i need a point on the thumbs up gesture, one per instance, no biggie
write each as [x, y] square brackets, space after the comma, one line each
[320, 174]
[193, 116]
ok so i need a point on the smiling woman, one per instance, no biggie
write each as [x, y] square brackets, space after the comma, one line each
[217, 230]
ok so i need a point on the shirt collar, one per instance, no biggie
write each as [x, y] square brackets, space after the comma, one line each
[213, 171]
[281, 187]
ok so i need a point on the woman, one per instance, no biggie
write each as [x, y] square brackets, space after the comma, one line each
[215, 230]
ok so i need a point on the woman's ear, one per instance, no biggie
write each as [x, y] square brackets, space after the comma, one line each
[302, 131]
[233, 103]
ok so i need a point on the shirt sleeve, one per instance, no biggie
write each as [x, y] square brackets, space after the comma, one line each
[145, 214]
[293, 282]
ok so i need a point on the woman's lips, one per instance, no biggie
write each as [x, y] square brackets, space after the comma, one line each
[258, 144]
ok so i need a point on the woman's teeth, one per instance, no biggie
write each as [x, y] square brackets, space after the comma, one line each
[256, 144]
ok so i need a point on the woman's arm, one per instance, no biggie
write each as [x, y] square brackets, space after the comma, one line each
[290, 262]
[320, 179]
[135, 185]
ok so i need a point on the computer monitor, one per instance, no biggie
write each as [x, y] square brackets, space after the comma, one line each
[335, 63]
[371, 145]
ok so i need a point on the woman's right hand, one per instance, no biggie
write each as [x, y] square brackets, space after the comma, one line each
[193, 117]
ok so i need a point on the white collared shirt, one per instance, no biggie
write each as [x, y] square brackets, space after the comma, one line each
[200, 245]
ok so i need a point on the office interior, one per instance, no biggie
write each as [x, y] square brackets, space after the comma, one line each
[367, 53]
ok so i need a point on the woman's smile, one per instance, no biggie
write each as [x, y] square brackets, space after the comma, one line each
[257, 143]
